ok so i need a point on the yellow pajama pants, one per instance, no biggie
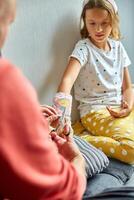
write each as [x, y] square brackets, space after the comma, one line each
[114, 136]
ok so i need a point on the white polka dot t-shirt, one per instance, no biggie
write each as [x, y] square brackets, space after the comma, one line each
[100, 79]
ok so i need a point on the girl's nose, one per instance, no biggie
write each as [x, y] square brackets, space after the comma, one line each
[98, 28]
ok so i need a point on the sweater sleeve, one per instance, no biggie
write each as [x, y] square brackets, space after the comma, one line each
[30, 165]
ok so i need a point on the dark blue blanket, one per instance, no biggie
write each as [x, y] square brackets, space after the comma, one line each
[116, 175]
[121, 193]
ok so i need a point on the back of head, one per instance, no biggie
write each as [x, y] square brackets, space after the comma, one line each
[112, 9]
[7, 7]
[7, 15]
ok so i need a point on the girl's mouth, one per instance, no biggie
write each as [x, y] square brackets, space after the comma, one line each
[99, 35]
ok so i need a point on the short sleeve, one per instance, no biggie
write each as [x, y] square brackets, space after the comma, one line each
[125, 59]
[80, 52]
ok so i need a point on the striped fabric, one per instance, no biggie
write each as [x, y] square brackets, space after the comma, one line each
[96, 160]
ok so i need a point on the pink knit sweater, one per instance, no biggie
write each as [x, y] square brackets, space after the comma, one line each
[30, 166]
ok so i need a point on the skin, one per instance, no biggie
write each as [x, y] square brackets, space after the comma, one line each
[128, 98]
[98, 24]
[7, 16]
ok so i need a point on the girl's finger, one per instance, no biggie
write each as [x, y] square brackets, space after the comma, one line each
[113, 113]
[108, 108]
[124, 104]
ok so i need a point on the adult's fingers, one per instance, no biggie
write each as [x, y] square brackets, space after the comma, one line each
[52, 118]
[48, 109]
[57, 139]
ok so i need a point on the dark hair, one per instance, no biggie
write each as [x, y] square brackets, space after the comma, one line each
[102, 4]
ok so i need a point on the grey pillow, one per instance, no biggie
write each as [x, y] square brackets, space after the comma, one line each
[95, 159]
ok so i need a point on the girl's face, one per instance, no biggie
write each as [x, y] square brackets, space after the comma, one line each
[98, 24]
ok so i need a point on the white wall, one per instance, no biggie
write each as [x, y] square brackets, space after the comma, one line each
[126, 12]
[43, 36]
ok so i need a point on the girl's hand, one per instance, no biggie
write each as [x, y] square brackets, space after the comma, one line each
[123, 112]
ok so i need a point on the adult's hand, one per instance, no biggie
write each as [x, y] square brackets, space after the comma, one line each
[48, 110]
[66, 146]
[50, 114]
[69, 150]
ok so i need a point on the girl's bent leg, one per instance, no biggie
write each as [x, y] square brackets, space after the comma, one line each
[114, 136]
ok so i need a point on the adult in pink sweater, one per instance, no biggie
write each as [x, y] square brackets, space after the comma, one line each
[32, 165]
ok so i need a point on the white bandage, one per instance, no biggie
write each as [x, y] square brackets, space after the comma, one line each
[63, 102]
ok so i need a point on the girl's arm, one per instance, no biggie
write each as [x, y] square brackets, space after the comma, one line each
[69, 76]
[63, 99]
[127, 99]
[127, 89]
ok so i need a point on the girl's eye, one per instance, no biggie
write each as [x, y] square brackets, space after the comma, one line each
[104, 23]
[91, 24]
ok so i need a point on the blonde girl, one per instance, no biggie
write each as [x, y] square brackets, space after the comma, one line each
[98, 69]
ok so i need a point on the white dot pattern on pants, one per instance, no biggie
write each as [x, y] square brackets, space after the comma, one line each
[101, 128]
[117, 128]
[124, 152]
[112, 150]
[96, 140]
[105, 140]
[110, 124]
[102, 120]
[107, 131]
[100, 148]
[92, 111]
[94, 124]
[89, 119]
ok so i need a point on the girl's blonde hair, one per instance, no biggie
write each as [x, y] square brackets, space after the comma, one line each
[102, 4]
